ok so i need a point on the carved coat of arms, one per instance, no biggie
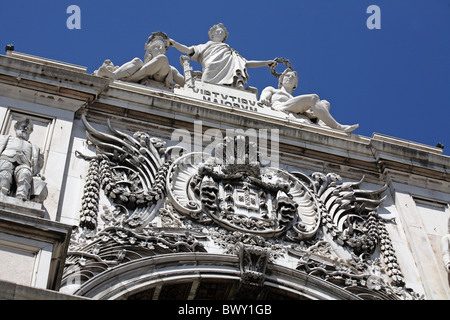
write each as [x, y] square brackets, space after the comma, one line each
[240, 195]
[260, 213]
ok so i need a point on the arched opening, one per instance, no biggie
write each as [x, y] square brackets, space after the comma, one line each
[204, 276]
[214, 289]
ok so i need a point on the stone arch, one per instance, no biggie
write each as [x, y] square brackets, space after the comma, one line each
[154, 277]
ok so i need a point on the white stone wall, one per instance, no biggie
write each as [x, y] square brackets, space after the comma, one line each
[421, 231]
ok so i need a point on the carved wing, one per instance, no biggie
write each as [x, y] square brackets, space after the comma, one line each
[130, 169]
[350, 211]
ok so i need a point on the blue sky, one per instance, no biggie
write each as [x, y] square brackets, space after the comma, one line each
[394, 80]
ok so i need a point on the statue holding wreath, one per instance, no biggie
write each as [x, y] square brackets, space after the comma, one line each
[220, 63]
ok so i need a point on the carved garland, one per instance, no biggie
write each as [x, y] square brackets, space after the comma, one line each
[89, 207]
[351, 218]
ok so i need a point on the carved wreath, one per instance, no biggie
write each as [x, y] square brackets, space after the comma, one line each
[284, 61]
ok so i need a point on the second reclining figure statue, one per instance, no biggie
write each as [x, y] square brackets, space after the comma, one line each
[300, 106]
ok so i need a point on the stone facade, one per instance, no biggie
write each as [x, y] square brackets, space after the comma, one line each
[202, 192]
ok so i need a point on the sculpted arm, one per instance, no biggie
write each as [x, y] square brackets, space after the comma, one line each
[3, 142]
[258, 64]
[181, 47]
[266, 96]
[445, 244]
[37, 160]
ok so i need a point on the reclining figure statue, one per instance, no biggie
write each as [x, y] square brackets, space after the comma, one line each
[153, 71]
[305, 107]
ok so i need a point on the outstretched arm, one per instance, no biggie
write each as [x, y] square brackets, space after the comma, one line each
[257, 64]
[181, 47]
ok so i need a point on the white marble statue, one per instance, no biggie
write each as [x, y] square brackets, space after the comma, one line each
[220, 63]
[155, 70]
[309, 104]
[20, 160]
[445, 248]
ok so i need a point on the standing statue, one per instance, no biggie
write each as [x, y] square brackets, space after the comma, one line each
[445, 248]
[154, 70]
[20, 161]
[282, 99]
[220, 63]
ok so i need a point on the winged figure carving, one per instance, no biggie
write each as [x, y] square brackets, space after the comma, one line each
[131, 171]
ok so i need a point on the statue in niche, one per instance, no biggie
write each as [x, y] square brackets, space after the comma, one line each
[154, 71]
[20, 163]
[303, 107]
[220, 63]
[445, 247]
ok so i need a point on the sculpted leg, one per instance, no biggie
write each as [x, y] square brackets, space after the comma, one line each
[298, 104]
[124, 71]
[321, 110]
[6, 176]
[177, 77]
[5, 184]
[23, 178]
[157, 68]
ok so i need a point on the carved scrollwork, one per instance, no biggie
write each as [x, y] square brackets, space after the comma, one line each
[131, 171]
[243, 197]
[116, 245]
[351, 218]
[358, 274]
[253, 262]
[258, 213]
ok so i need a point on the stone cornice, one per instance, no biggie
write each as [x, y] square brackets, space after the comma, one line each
[50, 76]
[298, 142]
[134, 105]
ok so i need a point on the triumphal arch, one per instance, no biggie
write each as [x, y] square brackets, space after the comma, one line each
[157, 181]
